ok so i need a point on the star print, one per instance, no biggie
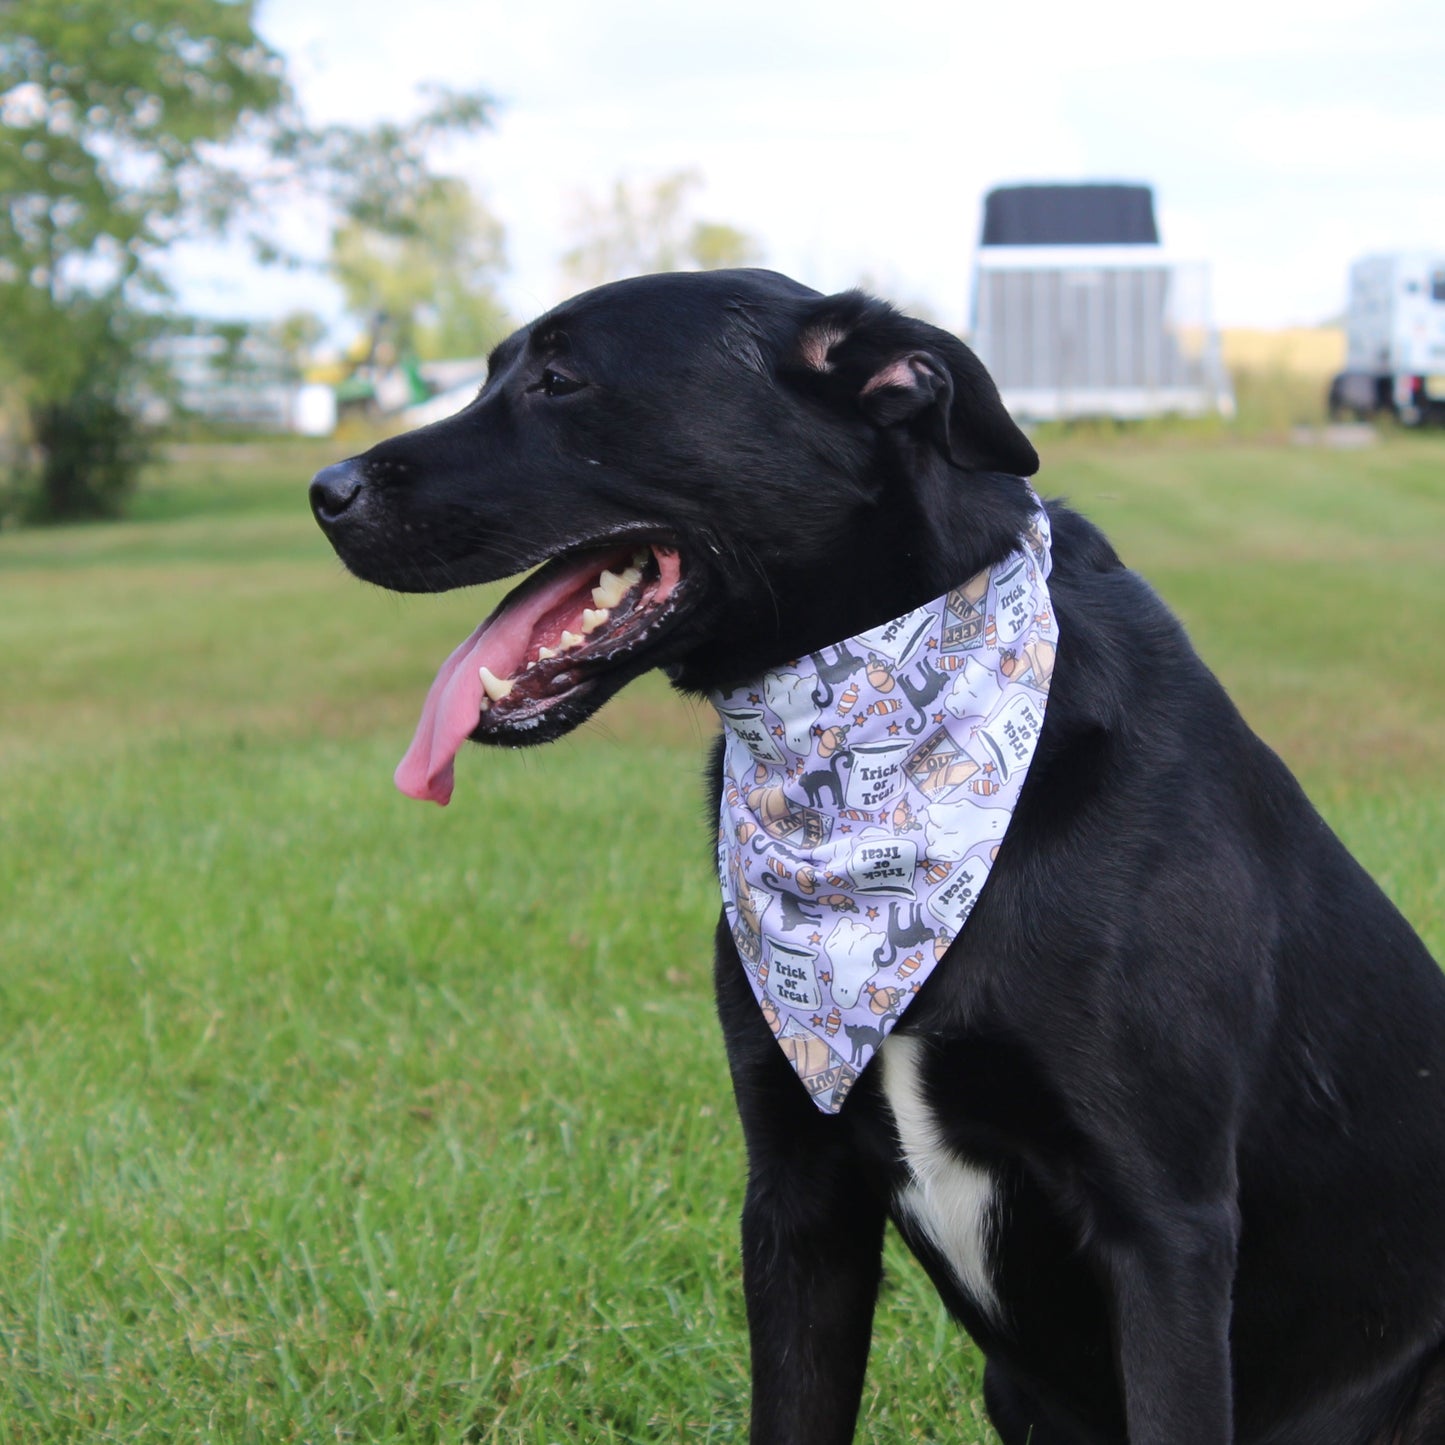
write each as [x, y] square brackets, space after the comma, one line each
[932, 642]
[846, 828]
[989, 768]
[825, 977]
[894, 730]
[815, 938]
[816, 1020]
[872, 913]
[938, 717]
[777, 732]
[755, 699]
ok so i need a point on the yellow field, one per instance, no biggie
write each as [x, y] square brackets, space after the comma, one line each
[1315, 351]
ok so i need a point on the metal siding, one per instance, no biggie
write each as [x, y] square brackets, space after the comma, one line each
[1069, 336]
[1154, 328]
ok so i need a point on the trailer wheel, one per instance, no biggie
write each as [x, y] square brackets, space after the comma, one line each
[1356, 397]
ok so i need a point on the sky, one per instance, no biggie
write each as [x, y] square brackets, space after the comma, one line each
[856, 141]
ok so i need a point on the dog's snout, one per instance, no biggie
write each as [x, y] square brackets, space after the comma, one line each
[334, 489]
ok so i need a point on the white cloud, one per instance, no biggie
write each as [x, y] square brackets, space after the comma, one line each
[1282, 140]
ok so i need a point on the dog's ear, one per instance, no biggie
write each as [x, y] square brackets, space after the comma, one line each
[904, 373]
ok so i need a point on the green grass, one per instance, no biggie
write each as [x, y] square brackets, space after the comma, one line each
[328, 1116]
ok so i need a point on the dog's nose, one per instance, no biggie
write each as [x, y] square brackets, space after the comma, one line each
[333, 490]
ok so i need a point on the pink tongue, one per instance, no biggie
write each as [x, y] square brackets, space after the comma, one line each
[454, 703]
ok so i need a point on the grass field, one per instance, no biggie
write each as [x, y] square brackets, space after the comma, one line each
[325, 1115]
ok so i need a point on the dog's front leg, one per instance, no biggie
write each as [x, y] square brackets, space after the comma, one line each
[1171, 1286]
[812, 1238]
[810, 1272]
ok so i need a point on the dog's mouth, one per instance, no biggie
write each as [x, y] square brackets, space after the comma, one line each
[557, 647]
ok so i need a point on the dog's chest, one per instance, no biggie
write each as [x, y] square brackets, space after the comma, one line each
[949, 1200]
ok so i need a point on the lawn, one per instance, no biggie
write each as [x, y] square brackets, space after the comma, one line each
[326, 1115]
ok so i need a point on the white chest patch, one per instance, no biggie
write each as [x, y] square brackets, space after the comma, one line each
[950, 1200]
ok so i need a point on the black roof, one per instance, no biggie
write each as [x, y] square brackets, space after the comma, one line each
[1083, 215]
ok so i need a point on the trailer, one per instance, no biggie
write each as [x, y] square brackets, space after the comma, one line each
[1079, 312]
[1394, 340]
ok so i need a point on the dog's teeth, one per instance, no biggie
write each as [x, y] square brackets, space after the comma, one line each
[495, 687]
[609, 589]
[612, 587]
[485, 704]
[543, 653]
[571, 639]
[591, 620]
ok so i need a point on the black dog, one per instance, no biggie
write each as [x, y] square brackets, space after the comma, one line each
[1167, 1125]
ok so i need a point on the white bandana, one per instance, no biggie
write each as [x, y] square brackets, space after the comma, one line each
[866, 790]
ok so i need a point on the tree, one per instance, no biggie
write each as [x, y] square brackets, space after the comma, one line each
[716, 246]
[109, 113]
[297, 335]
[126, 125]
[415, 252]
[432, 279]
[646, 228]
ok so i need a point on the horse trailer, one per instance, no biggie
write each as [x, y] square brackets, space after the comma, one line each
[1079, 312]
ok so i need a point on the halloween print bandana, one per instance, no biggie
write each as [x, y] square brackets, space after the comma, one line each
[866, 791]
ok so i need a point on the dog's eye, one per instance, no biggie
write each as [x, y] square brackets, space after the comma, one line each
[553, 383]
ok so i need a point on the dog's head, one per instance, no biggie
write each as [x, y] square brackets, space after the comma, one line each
[715, 470]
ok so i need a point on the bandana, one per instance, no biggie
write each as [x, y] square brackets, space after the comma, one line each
[866, 791]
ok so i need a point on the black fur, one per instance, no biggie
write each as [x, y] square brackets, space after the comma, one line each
[1200, 1052]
